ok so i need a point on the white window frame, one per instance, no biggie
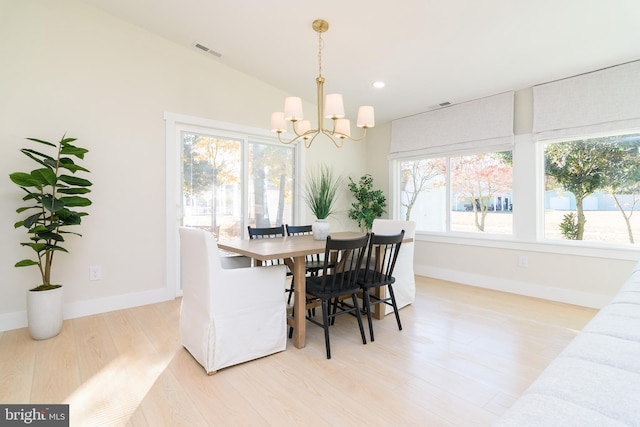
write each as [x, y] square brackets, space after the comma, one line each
[540, 195]
[174, 125]
[395, 193]
[528, 213]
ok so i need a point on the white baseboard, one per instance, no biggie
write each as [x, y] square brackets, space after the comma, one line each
[536, 290]
[15, 320]
[72, 310]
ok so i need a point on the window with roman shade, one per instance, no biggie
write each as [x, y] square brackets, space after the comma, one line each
[485, 123]
[597, 102]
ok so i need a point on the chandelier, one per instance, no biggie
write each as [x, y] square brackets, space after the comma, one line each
[332, 108]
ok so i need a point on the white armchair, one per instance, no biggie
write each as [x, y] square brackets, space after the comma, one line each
[228, 316]
[405, 285]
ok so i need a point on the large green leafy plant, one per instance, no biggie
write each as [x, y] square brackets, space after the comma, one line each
[51, 193]
[321, 190]
[369, 203]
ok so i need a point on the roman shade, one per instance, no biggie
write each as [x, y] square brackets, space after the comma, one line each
[600, 101]
[485, 123]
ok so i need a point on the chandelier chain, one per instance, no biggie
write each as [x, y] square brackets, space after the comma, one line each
[319, 53]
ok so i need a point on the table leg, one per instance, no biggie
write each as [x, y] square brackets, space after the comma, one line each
[298, 322]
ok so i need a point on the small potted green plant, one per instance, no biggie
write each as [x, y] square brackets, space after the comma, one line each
[369, 203]
[321, 191]
[52, 191]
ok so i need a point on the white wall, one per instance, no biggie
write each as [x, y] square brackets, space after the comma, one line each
[378, 160]
[69, 68]
[348, 161]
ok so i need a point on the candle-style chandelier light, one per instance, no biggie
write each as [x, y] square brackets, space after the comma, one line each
[332, 109]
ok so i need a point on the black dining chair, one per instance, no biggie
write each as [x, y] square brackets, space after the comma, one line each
[338, 279]
[270, 233]
[313, 263]
[382, 254]
[265, 232]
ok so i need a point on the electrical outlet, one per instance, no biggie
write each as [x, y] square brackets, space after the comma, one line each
[95, 272]
[523, 261]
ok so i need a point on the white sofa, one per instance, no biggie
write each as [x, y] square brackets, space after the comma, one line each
[595, 381]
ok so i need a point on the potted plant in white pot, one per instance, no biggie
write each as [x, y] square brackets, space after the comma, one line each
[321, 191]
[52, 191]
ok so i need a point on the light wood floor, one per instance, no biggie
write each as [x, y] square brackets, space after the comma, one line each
[463, 357]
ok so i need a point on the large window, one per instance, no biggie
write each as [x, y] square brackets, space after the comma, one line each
[592, 189]
[222, 177]
[229, 182]
[468, 193]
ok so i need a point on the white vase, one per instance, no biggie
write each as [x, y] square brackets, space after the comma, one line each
[320, 229]
[44, 313]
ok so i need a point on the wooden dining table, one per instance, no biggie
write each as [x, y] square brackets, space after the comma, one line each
[293, 250]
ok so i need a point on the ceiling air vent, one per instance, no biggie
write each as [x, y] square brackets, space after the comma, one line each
[445, 104]
[206, 49]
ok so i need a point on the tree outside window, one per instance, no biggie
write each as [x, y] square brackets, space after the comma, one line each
[271, 184]
[482, 183]
[478, 185]
[593, 189]
[418, 178]
[211, 175]
[223, 196]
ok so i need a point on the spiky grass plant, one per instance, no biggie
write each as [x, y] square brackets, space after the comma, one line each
[321, 191]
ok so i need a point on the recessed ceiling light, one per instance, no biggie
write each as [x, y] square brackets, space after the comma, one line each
[378, 85]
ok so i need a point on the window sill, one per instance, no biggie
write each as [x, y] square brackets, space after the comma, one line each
[587, 249]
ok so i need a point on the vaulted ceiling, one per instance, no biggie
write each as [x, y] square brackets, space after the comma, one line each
[426, 51]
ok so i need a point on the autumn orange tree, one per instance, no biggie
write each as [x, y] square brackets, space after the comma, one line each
[478, 178]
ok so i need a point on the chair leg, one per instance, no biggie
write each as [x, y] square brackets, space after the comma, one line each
[293, 312]
[334, 310]
[366, 302]
[290, 292]
[395, 307]
[325, 325]
[354, 297]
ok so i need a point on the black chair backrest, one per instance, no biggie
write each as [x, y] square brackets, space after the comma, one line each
[342, 261]
[267, 232]
[381, 257]
[314, 260]
[297, 230]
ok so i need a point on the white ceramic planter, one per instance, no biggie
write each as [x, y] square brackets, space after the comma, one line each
[44, 312]
[320, 229]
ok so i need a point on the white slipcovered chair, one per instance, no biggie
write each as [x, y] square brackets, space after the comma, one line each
[405, 285]
[228, 316]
